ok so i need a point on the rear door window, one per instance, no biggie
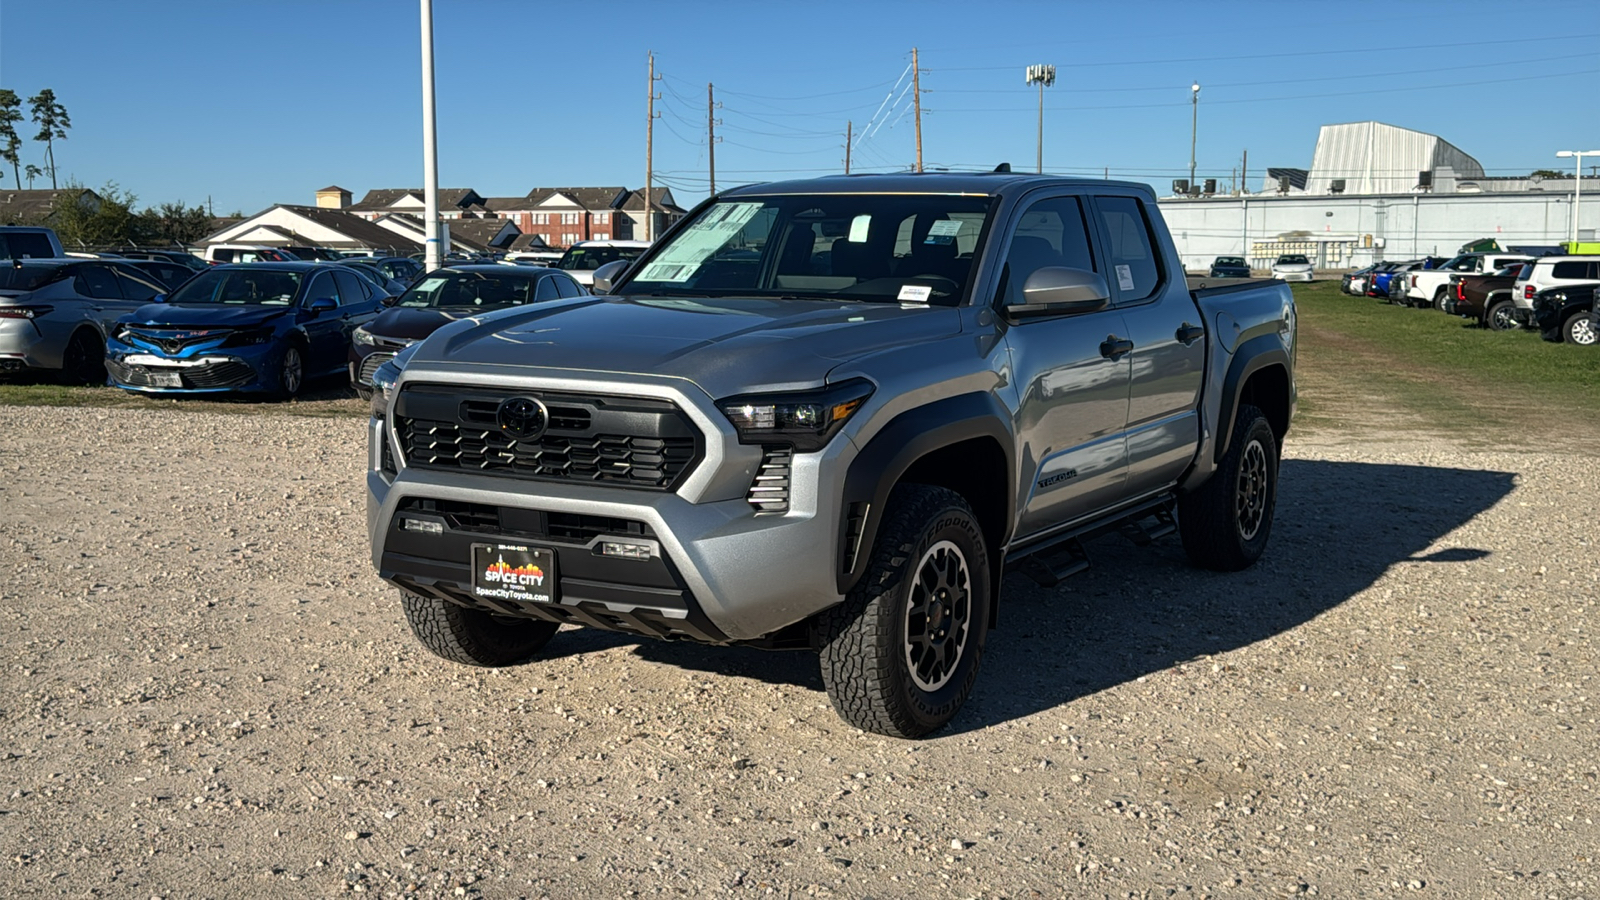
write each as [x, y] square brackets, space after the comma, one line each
[1570, 270]
[351, 288]
[97, 281]
[1130, 255]
[135, 287]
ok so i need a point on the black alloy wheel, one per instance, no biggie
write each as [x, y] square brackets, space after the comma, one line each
[84, 359]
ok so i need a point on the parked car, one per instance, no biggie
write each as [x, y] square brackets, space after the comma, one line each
[262, 327]
[749, 442]
[1229, 267]
[1567, 314]
[535, 257]
[1355, 282]
[1292, 267]
[170, 274]
[29, 242]
[55, 313]
[1548, 272]
[396, 268]
[218, 254]
[582, 258]
[1485, 299]
[1383, 276]
[181, 257]
[1429, 287]
[385, 286]
[442, 297]
[312, 254]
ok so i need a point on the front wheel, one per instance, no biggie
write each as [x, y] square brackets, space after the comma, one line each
[1438, 299]
[471, 636]
[291, 372]
[1225, 523]
[1498, 317]
[900, 655]
[1579, 329]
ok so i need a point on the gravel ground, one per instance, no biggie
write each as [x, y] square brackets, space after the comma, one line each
[206, 692]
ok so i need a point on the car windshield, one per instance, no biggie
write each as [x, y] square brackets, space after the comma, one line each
[479, 290]
[590, 258]
[254, 284]
[1229, 261]
[888, 248]
[1293, 261]
[29, 278]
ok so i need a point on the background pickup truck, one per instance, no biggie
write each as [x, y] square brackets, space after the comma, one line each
[830, 415]
[1430, 287]
[1485, 299]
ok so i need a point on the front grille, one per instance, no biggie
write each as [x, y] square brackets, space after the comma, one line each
[574, 528]
[371, 364]
[769, 493]
[629, 441]
[171, 341]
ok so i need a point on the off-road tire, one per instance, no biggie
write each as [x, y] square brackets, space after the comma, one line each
[1578, 329]
[84, 359]
[1225, 523]
[473, 637]
[865, 643]
[1498, 316]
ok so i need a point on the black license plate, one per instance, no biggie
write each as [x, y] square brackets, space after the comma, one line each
[514, 572]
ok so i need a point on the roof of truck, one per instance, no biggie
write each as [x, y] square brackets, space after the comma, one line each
[925, 183]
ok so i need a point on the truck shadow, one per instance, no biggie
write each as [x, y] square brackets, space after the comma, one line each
[1339, 527]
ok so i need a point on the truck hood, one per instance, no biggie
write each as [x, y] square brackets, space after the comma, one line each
[725, 345]
[214, 315]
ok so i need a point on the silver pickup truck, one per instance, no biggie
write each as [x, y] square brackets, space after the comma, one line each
[830, 415]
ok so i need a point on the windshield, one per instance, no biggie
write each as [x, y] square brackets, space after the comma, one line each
[29, 278]
[1229, 261]
[253, 285]
[453, 287]
[1460, 264]
[1293, 261]
[918, 248]
[590, 258]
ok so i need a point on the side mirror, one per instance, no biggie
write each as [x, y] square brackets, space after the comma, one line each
[321, 305]
[1060, 291]
[390, 300]
[159, 298]
[607, 274]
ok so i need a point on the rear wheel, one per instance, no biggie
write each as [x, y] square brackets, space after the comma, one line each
[471, 636]
[1226, 522]
[1579, 329]
[1438, 299]
[1498, 316]
[900, 655]
[84, 359]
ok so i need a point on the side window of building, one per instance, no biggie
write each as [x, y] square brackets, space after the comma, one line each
[1130, 255]
[1051, 232]
[97, 281]
[351, 288]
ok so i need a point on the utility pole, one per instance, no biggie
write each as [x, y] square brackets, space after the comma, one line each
[849, 137]
[1043, 76]
[649, 149]
[1244, 172]
[430, 147]
[711, 135]
[916, 100]
[1194, 127]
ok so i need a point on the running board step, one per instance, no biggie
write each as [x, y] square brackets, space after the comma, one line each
[1060, 563]
[1143, 536]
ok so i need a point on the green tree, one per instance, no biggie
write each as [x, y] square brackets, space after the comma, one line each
[82, 222]
[1545, 173]
[172, 223]
[53, 122]
[32, 172]
[10, 143]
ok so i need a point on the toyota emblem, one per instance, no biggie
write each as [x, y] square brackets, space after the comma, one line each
[523, 418]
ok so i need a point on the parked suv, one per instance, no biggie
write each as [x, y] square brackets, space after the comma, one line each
[1548, 272]
[582, 258]
[1567, 314]
[829, 415]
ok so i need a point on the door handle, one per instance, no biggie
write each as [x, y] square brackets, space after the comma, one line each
[1113, 346]
[1188, 334]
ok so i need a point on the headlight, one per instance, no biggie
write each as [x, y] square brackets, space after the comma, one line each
[249, 338]
[363, 336]
[807, 420]
[383, 382]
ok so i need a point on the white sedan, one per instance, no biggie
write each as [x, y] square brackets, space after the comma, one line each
[1292, 268]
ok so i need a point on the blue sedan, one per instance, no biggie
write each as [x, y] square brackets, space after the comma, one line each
[262, 327]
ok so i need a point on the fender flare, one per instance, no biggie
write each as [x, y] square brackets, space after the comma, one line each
[908, 437]
[1254, 355]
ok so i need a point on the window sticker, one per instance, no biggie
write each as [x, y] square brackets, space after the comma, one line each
[429, 284]
[915, 293]
[680, 260]
[1125, 277]
[858, 229]
[943, 232]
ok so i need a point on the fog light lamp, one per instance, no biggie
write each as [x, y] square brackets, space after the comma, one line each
[625, 551]
[422, 526]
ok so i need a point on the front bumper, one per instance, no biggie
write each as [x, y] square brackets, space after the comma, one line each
[242, 369]
[1292, 276]
[716, 571]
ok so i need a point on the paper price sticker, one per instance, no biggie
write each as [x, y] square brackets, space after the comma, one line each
[1125, 278]
[915, 293]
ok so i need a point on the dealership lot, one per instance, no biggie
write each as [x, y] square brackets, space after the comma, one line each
[208, 693]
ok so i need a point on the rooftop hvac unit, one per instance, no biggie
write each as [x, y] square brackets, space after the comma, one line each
[1283, 184]
[1211, 186]
[1336, 186]
[1425, 178]
[1180, 186]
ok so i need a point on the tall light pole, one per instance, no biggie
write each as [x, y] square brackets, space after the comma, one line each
[1577, 184]
[430, 147]
[1043, 76]
[1194, 127]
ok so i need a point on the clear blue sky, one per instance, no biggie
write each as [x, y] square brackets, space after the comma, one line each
[252, 104]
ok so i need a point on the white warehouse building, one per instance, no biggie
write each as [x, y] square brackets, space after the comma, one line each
[1375, 192]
